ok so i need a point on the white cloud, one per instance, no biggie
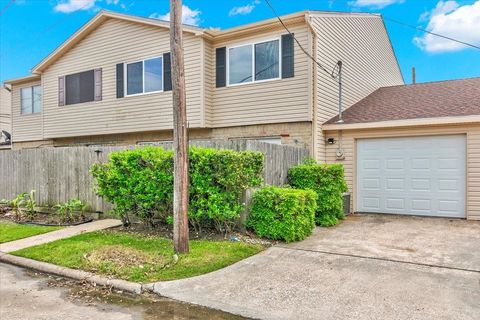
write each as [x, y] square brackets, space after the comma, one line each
[441, 8]
[450, 19]
[243, 9]
[68, 6]
[377, 4]
[189, 16]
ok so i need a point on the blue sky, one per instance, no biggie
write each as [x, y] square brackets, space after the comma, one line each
[31, 29]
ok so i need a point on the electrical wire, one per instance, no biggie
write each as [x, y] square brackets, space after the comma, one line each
[300, 45]
[6, 7]
[426, 31]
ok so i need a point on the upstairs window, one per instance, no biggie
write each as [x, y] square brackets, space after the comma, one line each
[254, 62]
[144, 76]
[80, 87]
[31, 100]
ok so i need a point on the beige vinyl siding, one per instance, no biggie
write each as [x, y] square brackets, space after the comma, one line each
[275, 101]
[209, 81]
[25, 127]
[117, 41]
[362, 44]
[5, 110]
[472, 132]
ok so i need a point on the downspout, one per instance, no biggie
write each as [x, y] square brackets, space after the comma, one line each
[340, 93]
[313, 92]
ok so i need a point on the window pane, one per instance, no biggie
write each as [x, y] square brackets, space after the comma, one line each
[134, 78]
[37, 99]
[240, 64]
[26, 97]
[267, 64]
[79, 87]
[153, 75]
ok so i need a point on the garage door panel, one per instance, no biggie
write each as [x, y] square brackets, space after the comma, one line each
[417, 175]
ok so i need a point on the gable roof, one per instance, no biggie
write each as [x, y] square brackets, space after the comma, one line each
[93, 23]
[211, 34]
[452, 98]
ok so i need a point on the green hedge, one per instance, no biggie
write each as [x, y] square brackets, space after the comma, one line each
[140, 182]
[329, 184]
[282, 213]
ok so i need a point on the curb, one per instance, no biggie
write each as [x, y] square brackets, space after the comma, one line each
[122, 285]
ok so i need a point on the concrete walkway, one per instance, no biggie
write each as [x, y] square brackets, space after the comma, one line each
[363, 276]
[59, 234]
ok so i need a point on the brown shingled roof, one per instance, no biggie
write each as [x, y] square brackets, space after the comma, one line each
[424, 100]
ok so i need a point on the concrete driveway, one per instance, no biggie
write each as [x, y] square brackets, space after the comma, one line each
[369, 267]
[450, 243]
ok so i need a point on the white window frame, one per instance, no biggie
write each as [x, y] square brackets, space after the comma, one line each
[32, 96]
[252, 44]
[125, 73]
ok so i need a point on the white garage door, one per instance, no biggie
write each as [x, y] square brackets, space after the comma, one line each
[412, 175]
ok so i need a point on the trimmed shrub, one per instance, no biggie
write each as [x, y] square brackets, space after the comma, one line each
[327, 180]
[140, 182]
[282, 213]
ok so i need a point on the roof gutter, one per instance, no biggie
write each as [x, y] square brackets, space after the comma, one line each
[21, 80]
[403, 123]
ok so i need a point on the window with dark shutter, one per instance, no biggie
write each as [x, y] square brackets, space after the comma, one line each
[167, 72]
[287, 56]
[120, 83]
[221, 67]
[80, 87]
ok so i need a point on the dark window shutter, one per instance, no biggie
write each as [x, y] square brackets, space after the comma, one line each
[287, 56]
[61, 91]
[167, 72]
[98, 84]
[120, 83]
[221, 67]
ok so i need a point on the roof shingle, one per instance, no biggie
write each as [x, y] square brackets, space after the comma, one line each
[424, 100]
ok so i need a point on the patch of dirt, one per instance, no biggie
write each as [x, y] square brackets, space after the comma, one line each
[120, 257]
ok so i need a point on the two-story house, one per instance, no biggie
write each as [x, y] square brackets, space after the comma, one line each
[110, 83]
[406, 149]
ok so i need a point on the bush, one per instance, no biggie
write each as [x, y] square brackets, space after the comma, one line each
[140, 182]
[329, 184]
[282, 213]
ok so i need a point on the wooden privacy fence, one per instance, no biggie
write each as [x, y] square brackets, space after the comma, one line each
[60, 174]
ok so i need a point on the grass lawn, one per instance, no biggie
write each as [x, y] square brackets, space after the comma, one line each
[10, 231]
[139, 258]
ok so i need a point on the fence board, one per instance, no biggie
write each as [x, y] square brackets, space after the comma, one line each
[60, 174]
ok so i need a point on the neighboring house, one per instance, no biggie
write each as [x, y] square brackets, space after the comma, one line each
[412, 149]
[110, 82]
[5, 117]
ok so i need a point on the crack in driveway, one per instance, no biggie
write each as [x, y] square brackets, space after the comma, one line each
[379, 258]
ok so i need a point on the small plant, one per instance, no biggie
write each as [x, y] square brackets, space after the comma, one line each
[30, 205]
[66, 211]
[77, 205]
[17, 204]
[63, 212]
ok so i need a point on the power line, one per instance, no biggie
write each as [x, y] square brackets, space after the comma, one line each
[6, 7]
[426, 31]
[300, 45]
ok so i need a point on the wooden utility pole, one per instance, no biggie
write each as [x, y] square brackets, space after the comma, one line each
[180, 135]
